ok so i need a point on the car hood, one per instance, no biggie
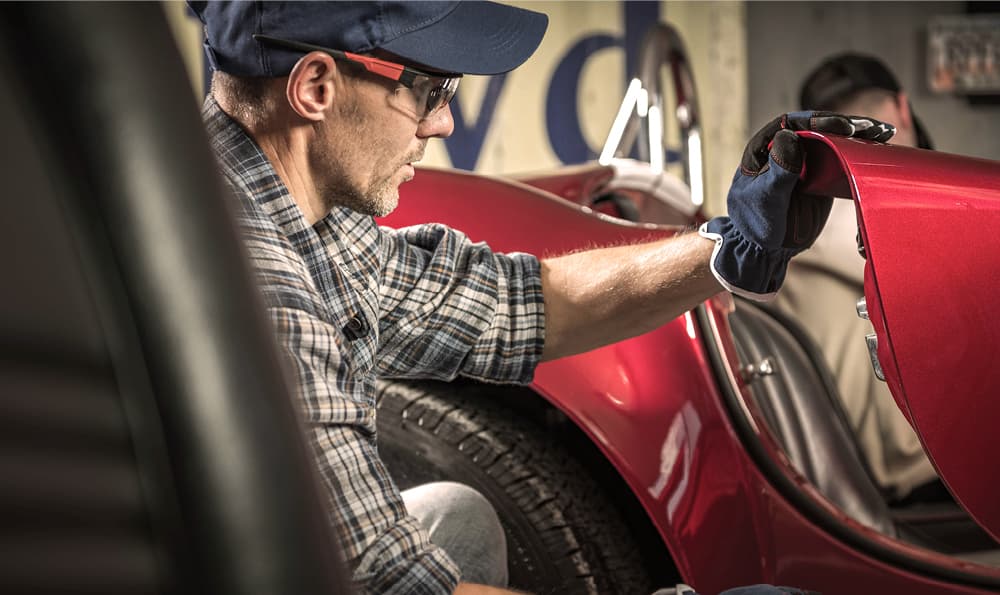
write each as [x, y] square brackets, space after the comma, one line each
[929, 224]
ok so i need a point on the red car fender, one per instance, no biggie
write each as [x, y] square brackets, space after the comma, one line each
[649, 403]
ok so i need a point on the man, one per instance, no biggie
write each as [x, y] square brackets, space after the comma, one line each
[317, 113]
[824, 285]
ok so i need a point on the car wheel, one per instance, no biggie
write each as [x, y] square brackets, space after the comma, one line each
[563, 533]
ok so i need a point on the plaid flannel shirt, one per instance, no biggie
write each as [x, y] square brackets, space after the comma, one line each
[351, 301]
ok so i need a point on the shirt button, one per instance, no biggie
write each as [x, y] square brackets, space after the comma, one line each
[355, 328]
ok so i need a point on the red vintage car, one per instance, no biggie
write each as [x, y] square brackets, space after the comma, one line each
[148, 442]
[714, 450]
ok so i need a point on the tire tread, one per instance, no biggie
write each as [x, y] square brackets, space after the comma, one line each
[528, 473]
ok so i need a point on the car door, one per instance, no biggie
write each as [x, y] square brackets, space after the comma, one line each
[929, 227]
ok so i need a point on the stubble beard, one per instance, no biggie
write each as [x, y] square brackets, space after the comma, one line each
[378, 200]
[381, 196]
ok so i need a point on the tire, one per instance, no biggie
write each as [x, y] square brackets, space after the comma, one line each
[563, 533]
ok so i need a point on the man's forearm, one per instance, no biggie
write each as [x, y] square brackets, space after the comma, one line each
[597, 297]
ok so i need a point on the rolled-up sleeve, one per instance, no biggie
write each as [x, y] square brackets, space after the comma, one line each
[453, 307]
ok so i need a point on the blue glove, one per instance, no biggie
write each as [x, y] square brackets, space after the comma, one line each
[769, 222]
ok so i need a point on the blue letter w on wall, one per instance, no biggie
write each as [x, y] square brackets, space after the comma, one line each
[465, 144]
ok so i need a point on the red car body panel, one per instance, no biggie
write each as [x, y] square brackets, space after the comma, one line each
[929, 222]
[653, 405]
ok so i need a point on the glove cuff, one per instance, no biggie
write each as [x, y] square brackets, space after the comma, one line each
[742, 266]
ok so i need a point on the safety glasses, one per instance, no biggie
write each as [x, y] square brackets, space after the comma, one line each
[432, 91]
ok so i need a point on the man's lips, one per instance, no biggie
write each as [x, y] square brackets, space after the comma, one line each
[410, 160]
[408, 166]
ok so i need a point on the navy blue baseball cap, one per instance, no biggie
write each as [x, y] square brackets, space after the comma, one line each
[455, 37]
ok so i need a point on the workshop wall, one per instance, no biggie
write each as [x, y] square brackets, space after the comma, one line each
[748, 60]
[559, 106]
[786, 40]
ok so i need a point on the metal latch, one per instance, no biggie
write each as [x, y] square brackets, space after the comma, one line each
[764, 367]
[871, 341]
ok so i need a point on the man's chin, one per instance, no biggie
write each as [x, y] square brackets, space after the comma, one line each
[386, 208]
[377, 204]
[385, 203]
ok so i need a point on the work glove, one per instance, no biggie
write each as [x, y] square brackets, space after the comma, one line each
[769, 222]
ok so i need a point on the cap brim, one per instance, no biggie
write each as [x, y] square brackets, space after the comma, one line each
[475, 38]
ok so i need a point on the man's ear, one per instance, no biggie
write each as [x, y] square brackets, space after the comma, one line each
[310, 86]
[903, 106]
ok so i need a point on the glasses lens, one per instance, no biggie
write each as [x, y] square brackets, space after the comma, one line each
[440, 94]
[426, 94]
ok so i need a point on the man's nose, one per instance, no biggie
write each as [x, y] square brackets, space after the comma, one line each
[440, 124]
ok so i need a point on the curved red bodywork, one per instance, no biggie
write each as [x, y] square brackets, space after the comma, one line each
[653, 405]
[929, 222]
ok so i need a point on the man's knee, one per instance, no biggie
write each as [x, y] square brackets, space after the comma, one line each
[463, 522]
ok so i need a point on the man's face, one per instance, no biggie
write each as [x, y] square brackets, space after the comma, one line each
[368, 145]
